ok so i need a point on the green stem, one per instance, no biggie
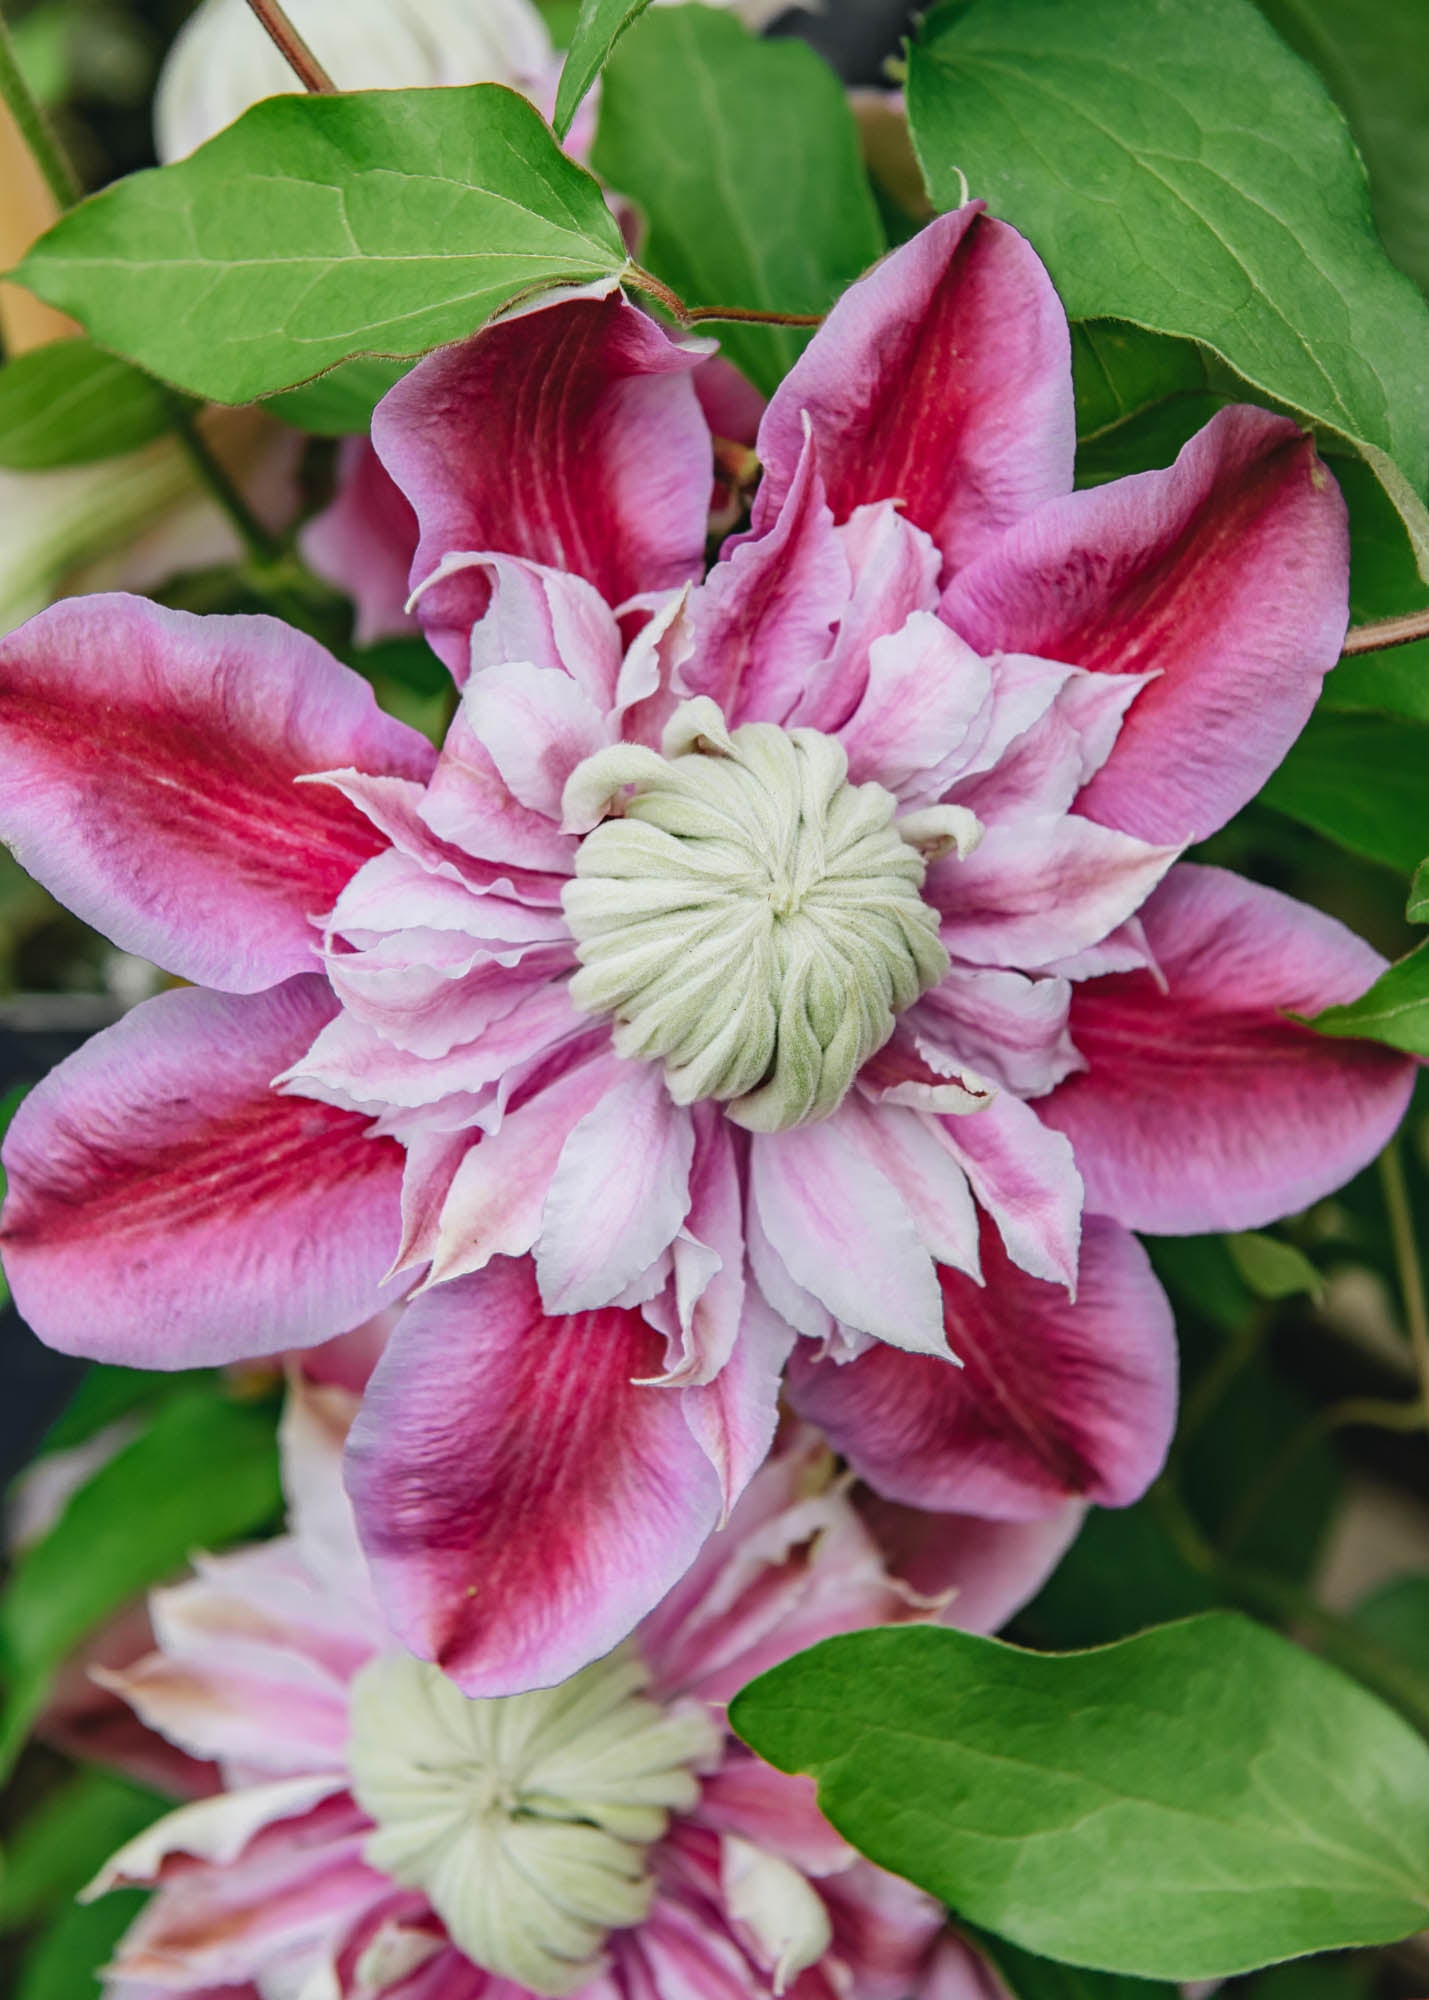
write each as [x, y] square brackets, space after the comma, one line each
[1406, 1258]
[262, 547]
[44, 149]
[1357, 1652]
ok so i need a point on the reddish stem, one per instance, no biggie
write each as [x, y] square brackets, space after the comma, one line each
[292, 48]
[1384, 632]
[656, 288]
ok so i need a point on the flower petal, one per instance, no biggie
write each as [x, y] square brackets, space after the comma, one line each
[925, 690]
[986, 1569]
[363, 541]
[1204, 1108]
[1025, 1176]
[1227, 574]
[522, 1501]
[943, 380]
[571, 435]
[1034, 891]
[620, 1190]
[1053, 1401]
[147, 779]
[764, 617]
[168, 1208]
[843, 1231]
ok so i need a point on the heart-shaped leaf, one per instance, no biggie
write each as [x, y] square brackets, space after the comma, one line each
[318, 228]
[1186, 1804]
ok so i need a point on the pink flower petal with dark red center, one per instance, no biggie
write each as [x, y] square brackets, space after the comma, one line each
[1202, 1106]
[943, 380]
[570, 435]
[522, 1499]
[149, 778]
[168, 1208]
[1227, 575]
[1053, 1401]
[764, 617]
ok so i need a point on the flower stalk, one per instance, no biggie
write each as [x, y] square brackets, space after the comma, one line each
[34, 128]
[1383, 633]
[292, 48]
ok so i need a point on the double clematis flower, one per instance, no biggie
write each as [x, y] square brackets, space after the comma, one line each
[379, 1833]
[784, 976]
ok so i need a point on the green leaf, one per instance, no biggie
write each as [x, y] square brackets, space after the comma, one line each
[318, 228]
[1027, 1977]
[339, 404]
[1384, 581]
[599, 26]
[67, 1961]
[1114, 125]
[1417, 908]
[743, 157]
[1274, 1269]
[1394, 1011]
[1188, 1804]
[1372, 55]
[203, 1472]
[1360, 780]
[70, 404]
[66, 1840]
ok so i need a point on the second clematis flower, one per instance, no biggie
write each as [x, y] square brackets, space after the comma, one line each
[781, 975]
[379, 1833]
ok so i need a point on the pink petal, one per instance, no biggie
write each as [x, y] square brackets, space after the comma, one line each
[296, 1889]
[793, 1564]
[536, 725]
[733, 1418]
[167, 1208]
[148, 780]
[1227, 574]
[1005, 1026]
[363, 541]
[1203, 1107]
[470, 804]
[1034, 891]
[1024, 1175]
[989, 1569]
[497, 1198]
[925, 691]
[764, 616]
[549, 619]
[620, 1190]
[895, 573]
[730, 401]
[911, 1149]
[1053, 1401]
[942, 379]
[570, 435]
[522, 1501]
[843, 1231]
[774, 1810]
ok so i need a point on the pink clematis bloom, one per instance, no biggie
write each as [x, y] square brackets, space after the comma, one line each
[796, 955]
[378, 1832]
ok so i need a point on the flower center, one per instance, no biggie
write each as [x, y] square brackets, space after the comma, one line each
[525, 1819]
[746, 915]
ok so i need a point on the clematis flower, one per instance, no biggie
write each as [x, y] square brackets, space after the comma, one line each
[378, 1832]
[782, 974]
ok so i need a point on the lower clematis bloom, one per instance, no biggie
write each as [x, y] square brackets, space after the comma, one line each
[378, 1832]
[780, 973]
